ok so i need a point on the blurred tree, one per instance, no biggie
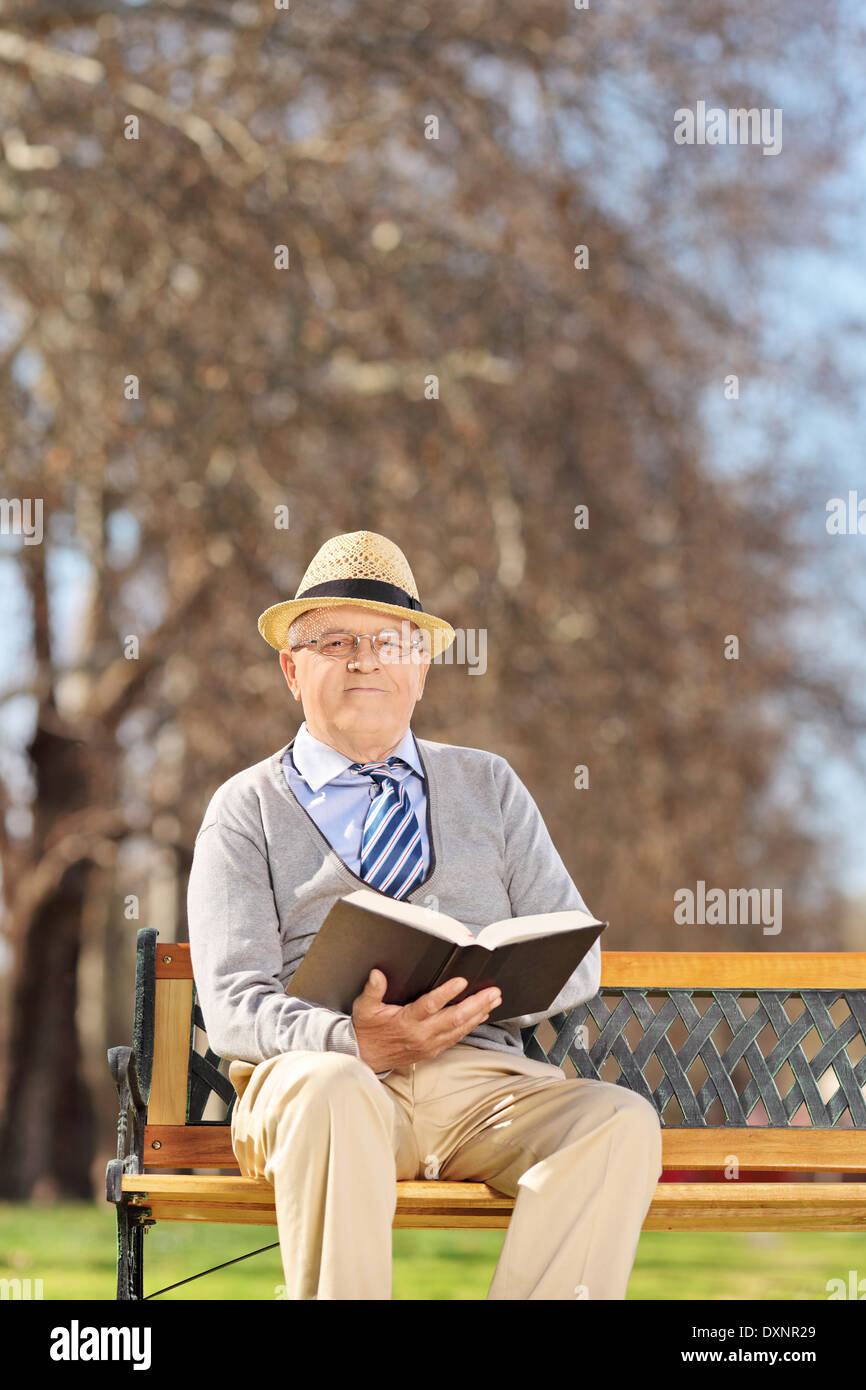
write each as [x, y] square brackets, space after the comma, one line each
[169, 389]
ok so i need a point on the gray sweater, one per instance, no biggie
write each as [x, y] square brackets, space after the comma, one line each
[264, 877]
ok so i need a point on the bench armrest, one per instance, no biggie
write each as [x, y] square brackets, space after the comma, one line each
[130, 1142]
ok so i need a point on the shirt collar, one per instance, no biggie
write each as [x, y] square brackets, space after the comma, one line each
[319, 763]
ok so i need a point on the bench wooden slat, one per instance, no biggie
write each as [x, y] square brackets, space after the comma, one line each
[172, 1013]
[801, 1149]
[737, 1206]
[793, 970]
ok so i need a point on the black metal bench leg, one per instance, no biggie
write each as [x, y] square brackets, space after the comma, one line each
[132, 1218]
[130, 1252]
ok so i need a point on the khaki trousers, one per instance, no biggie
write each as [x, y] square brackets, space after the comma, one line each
[582, 1157]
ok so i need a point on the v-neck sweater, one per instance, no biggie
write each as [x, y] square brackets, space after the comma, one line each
[264, 877]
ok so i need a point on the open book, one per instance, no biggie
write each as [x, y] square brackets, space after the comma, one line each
[528, 958]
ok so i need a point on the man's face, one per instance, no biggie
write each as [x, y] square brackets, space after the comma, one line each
[361, 702]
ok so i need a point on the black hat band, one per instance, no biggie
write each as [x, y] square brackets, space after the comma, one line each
[377, 590]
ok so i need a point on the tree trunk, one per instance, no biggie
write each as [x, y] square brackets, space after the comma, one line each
[47, 1130]
[47, 1135]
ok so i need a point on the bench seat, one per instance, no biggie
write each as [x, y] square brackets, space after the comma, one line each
[681, 1206]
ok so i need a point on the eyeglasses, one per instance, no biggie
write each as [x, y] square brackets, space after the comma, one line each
[388, 646]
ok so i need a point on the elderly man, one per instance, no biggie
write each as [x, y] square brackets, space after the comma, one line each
[334, 1108]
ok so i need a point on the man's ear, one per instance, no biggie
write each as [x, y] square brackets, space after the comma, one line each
[422, 682]
[290, 671]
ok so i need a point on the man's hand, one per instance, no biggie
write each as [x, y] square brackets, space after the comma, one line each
[393, 1035]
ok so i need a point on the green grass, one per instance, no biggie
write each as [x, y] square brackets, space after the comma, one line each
[71, 1247]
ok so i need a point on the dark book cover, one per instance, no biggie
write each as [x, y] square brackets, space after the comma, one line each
[355, 939]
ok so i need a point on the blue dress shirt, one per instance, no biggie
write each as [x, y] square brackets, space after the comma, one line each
[338, 800]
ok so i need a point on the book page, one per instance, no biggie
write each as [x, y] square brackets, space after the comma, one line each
[437, 923]
[537, 924]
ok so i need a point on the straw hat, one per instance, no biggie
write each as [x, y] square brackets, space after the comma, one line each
[365, 570]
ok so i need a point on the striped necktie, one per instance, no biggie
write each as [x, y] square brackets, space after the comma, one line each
[392, 858]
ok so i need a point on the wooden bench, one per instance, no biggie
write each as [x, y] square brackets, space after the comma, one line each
[757, 1059]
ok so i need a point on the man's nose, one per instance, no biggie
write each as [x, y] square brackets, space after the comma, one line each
[365, 658]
